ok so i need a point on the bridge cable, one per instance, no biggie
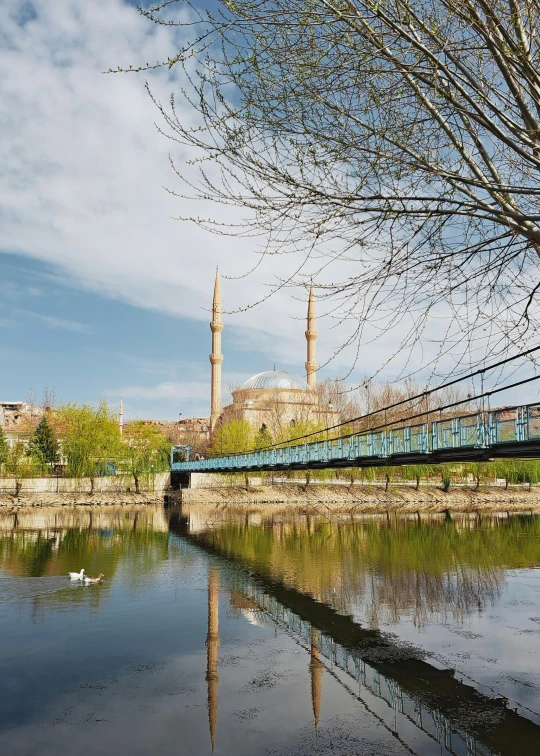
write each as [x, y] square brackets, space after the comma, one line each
[291, 441]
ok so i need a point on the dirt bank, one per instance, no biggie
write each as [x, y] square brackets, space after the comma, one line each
[78, 499]
[371, 499]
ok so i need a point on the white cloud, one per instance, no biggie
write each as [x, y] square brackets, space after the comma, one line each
[83, 176]
[84, 171]
[185, 390]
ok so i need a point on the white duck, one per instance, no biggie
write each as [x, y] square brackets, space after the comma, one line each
[76, 575]
[89, 580]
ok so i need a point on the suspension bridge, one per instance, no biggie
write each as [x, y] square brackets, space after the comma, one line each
[475, 436]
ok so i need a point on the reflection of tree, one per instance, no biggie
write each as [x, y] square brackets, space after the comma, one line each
[131, 537]
[398, 569]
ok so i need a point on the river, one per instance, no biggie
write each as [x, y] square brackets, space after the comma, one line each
[217, 630]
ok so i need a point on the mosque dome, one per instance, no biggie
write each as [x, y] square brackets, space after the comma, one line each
[276, 379]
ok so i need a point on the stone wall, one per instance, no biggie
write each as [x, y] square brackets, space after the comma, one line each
[210, 480]
[75, 499]
[369, 499]
[110, 484]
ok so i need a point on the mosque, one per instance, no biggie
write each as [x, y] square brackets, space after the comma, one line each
[274, 398]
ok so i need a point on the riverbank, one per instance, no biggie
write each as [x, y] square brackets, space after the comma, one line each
[105, 498]
[369, 499]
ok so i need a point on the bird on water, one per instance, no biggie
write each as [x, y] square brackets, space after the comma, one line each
[88, 580]
[76, 575]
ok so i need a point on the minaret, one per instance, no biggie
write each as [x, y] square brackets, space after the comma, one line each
[121, 417]
[311, 337]
[212, 646]
[216, 358]
[316, 671]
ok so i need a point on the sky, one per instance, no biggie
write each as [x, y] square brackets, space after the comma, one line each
[103, 292]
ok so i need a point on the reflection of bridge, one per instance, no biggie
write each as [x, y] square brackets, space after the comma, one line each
[368, 680]
[508, 432]
[402, 689]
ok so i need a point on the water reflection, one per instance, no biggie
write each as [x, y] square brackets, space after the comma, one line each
[316, 670]
[212, 651]
[307, 578]
[441, 723]
[395, 569]
[49, 542]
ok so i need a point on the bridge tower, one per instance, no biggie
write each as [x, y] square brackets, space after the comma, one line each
[216, 358]
[311, 338]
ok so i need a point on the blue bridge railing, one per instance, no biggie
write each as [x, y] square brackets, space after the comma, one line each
[481, 430]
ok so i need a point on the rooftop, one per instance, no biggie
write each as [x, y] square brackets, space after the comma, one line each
[275, 379]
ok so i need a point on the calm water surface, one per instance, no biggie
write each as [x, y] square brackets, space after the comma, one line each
[251, 634]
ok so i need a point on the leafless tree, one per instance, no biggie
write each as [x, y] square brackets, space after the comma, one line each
[49, 398]
[393, 144]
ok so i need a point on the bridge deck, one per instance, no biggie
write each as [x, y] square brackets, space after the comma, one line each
[508, 432]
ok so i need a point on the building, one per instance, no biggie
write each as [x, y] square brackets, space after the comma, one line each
[274, 398]
[19, 420]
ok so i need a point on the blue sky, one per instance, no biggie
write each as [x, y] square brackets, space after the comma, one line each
[87, 347]
[102, 292]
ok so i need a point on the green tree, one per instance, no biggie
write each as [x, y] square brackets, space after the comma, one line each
[19, 465]
[446, 477]
[90, 439]
[351, 474]
[416, 473]
[526, 471]
[480, 472]
[314, 430]
[409, 129]
[505, 469]
[263, 439]
[43, 445]
[232, 438]
[4, 447]
[145, 452]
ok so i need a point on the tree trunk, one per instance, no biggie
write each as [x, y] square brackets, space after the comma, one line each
[417, 482]
[137, 487]
[387, 482]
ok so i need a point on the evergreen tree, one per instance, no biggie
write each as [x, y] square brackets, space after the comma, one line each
[43, 444]
[4, 446]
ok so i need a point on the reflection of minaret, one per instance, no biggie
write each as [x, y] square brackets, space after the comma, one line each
[316, 670]
[311, 337]
[216, 358]
[212, 646]
[121, 417]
